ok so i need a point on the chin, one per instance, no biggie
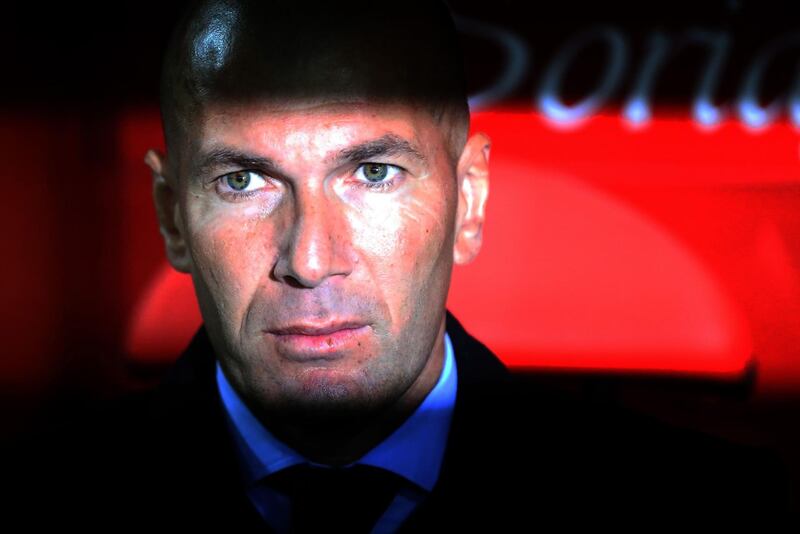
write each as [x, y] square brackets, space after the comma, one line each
[348, 391]
[325, 385]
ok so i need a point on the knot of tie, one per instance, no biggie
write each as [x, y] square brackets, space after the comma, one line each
[335, 499]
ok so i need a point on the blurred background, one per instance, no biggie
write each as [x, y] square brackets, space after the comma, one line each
[642, 243]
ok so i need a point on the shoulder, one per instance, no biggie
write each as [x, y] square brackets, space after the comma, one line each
[100, 465]
[615, 460]
[563, 450]
[100, 435]
[577, 460]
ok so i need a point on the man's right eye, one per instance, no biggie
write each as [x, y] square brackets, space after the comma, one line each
[243, 181]
[240, 184]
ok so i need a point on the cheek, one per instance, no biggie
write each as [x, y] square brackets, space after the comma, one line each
[404, 240]
[227, 259]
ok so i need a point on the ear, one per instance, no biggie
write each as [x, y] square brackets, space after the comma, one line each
[165, 197]
[473, 190]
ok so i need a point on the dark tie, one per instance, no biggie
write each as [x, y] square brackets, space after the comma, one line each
[339, 499]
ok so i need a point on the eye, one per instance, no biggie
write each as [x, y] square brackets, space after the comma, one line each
[377, 174]
[242, 183]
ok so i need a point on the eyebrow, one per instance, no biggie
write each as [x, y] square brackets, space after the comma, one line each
[384, 146]
[226, 156]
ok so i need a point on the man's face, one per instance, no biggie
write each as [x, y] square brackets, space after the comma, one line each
[321, 242]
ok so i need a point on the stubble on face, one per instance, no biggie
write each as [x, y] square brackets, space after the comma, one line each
[395, 251]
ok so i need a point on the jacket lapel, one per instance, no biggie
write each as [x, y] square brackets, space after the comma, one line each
[466, 472]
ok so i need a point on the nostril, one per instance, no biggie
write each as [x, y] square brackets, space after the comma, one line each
[280, 273]
[293, 282]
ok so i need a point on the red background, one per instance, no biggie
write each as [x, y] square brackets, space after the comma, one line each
[657, 266]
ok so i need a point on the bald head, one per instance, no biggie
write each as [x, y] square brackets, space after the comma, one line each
[242, 52]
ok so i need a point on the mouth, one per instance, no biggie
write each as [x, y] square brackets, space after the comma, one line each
[305, 341]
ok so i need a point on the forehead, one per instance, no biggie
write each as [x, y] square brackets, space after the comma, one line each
[315, 129]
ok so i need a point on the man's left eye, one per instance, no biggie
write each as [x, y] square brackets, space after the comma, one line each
[377, 172]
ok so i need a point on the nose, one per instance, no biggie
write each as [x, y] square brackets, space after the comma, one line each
[317, 244]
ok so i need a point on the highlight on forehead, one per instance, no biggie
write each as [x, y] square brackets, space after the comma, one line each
[240, 52]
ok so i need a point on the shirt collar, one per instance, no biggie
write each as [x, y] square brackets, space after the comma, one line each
[414, 450]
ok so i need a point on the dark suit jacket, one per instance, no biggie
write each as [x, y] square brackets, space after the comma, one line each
[517, 458]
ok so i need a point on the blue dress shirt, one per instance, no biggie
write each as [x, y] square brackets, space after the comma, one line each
[414, 450]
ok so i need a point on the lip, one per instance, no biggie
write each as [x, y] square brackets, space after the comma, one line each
[309, 329]
[305, 341]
